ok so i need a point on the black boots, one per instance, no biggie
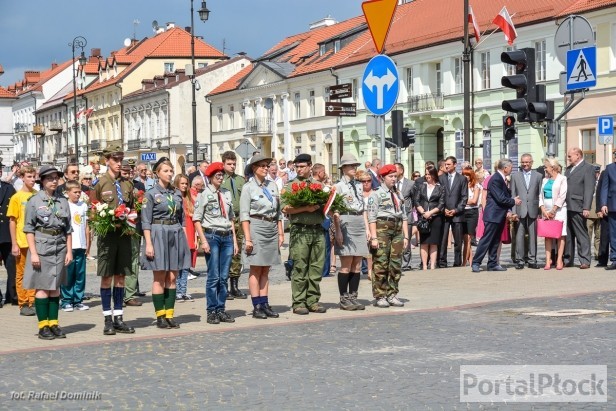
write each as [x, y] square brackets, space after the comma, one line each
[269, 312]
[229, 295]
[109, 330]
[162, 323]
[258, 312]
[235, 289]
[57, 331]
[120, 326]
[45, 333]
[172, 323]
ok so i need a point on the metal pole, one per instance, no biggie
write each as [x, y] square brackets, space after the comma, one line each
[192, 81]
[467, 90]
[382, 120]
[81, 42]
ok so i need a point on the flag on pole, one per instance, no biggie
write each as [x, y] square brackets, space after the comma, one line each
[503, 20]
[88, 112]
[473, 21]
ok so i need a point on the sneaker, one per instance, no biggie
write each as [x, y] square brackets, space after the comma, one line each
[394, 302]
[212, 318]
[300, 310]
[188, 297]
[90, 258]
[346, 304]
[27, 311]
[317, 308]
[224, 317]
[67, 308]
[179, 298]
[381, 303]
[81, 307]
[191, 277]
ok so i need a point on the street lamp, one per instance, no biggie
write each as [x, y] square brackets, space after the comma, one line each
[80, 42]
[204, 14]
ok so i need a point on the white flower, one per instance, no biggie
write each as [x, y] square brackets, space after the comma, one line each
[326, 189]
[105, 206]
[102, 214]
[100, 207]
[110, 212]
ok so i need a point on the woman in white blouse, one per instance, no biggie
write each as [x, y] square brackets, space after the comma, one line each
[554, 207]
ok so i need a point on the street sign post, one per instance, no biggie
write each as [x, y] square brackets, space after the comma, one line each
[574, 32]
[340, 91]
[333, 108]
[605, 126]
[380, 85]
[148, 156]
[581, 68]
[245, 149]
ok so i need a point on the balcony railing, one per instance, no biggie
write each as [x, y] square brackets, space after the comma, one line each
[133, 144]
[426, 102]
[95, 145]
[56, 126]
[259, 125]
[21, 128]
[38, 130]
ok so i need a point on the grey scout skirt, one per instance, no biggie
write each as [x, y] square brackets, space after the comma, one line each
[265, 250]
[354, 243]
[52, 274]
[171, 252]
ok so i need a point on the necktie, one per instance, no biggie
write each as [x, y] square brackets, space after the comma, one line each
[232, 187]
[527, 179]
[119, 191]
[450, 180]
[221, 203]
[394, 198]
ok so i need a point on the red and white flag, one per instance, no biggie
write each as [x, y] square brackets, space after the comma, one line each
[88, 112]
[473, 21]
[503, 20]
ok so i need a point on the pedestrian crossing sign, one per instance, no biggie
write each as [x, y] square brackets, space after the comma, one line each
[581, 68]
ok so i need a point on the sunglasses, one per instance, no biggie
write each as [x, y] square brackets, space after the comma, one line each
[366, 181]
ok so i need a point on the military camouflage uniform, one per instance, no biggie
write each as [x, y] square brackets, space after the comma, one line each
[387, 259]
[238, 183]
[307, 250]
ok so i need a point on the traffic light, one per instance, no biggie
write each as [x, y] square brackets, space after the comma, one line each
[540, 109]
[397, 123]
[523, 81]
[408, 137]
[509, 128]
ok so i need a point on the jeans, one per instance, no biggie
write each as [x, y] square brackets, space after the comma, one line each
[73, 291]
[182, 282]
[218, 262]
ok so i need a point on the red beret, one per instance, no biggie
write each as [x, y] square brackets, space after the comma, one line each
[213, 169]
[388, 169]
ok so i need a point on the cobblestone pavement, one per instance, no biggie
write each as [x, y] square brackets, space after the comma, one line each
[394, 361]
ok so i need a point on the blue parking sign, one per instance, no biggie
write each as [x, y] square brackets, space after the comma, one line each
[605, 126]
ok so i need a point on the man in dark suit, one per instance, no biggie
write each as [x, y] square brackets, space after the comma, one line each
[527, 185]
[498, 204]
[6, 192]
[374, 173]
[456, 196]
[200, 172]
[604, 240]
[607, 200]
[404, 187]
[580, 189]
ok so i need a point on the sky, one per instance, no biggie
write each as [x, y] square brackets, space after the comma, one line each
[35, 33]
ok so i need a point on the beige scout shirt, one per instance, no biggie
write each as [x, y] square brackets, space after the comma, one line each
[255, 202]
[352, 194]
[381, 204]
[209, 209]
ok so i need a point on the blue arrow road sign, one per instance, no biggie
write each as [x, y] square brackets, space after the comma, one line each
[605, 125]
[581, 68]
[380, 85]
[148, 156]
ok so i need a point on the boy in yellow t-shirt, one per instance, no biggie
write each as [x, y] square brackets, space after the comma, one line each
[17, 214]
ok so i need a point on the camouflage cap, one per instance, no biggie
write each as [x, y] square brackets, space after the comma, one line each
[132, 162]
[112, 150]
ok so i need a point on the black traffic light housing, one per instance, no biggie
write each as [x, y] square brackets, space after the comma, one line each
[540, 109]
[408, 137]
[509, 131]
[397, 123]
[523, 81]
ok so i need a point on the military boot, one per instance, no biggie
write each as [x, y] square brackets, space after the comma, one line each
[109, 330]
[162, 323]
[346, 304]
[353, 299]
[235, 289]
[229, 294]
[120, 326]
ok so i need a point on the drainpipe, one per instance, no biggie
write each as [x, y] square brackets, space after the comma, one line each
[36, 146]
[338, 139]
[87, 162]
[67, 114]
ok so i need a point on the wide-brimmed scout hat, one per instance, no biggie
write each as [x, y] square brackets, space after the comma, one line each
[260, 157]
[46, 170]
[348, 159]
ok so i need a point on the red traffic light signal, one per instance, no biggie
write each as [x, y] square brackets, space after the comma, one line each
[509, 131]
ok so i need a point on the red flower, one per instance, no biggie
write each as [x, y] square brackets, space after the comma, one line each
[302, 185]
[315, 186]
[120, 211]
[295, 187]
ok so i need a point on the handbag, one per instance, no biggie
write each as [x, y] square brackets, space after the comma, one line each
[549, 228]
[423, 226]
[506, 234]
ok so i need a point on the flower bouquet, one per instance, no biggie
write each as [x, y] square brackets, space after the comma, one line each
[103, 219]
[304, 194]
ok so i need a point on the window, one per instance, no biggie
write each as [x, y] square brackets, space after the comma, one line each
[336, 46]
[540, 60]
[169, 67]
[355, 89]
[202, 65]
[232, 117]
[219, 118]
[312, 103]
[322, 49]
[296, 103]
[439, 78]
[485, 70]
[457, 75]
[409, 81]
[326, 94]
[510, 68]
[589, 145]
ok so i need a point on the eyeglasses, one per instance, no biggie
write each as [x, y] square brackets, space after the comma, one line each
[366, 181]
[262, 165]
[219, 175]
[51, 178]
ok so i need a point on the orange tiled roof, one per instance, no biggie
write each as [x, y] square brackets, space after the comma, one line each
[37, 79]
[233, 82]
[4, 93]
[586, 5]
[174, 42]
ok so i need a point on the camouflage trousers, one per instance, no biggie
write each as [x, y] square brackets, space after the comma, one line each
[307, 250]
[387, 259]
[235, 270]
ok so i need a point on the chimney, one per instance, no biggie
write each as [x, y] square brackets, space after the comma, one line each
[95, 52]
[170, 25]
[54, 65]
[188, 29]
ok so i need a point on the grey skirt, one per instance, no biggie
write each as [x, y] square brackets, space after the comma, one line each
[171, 252]
[354, 242]
[265, 250]
[52, 252]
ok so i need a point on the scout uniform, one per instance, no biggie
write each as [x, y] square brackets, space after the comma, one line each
[307, 250]
[214, 211]
[353, 230]
[48, 219]
[114, 249]
[131, 281]
[386, 209]
[260, 206]
[163, 215]
[234, 184]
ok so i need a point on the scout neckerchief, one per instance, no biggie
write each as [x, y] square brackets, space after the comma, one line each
[394, 198]
[266, 192]
[171, 206]
[221, 204]
[52, 205]
[352, 183]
